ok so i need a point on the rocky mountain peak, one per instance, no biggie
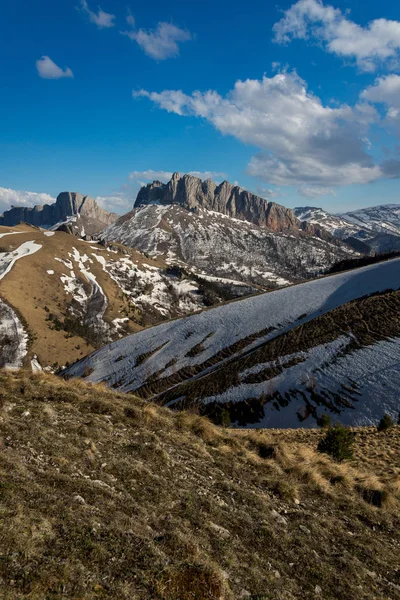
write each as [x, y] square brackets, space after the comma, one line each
[194, 194]
[68, 204]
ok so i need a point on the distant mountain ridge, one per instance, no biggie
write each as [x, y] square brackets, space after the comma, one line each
[367, 230]
[231, 200]
[67, 205]
[226, 232]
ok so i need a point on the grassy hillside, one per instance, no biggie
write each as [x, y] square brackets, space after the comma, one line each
[74, 296]
[106, 496]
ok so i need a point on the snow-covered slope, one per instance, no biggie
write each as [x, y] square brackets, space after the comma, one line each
[384, 218]
[338, 226]
[376, 228]
[218, 245]
[173, 360]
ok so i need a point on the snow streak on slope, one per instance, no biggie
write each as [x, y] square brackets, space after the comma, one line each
[7, 259]
[148, 286]
[384, 218]
[243, 325]
[97, 302]
[364, 380]
[13, 339]
[10, 233]
[336, 225]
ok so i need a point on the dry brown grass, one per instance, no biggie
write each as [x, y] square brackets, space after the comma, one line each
[105, 496]
[28, 288]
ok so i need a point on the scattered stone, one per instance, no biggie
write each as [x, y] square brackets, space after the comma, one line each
[221, 531]
[304, 529]
[79, 499]
[318, 589]
[278, 518]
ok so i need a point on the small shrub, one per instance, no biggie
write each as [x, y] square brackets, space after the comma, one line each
[385, 423]
[225, 418]
[338, 443]
[324, 421]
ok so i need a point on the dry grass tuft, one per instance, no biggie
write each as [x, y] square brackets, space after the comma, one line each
[193, 582]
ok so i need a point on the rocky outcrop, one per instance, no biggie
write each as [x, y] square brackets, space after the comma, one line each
[231, 200]
[68, 204]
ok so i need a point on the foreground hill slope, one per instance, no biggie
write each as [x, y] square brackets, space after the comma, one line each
[62, 297]
[225, 231]
[105, 496]
[287, 354]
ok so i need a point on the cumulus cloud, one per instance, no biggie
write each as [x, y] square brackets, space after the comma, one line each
[150, 175]
[144, 177]
[116, 202]
[301, 141]
[48, 69]
[268, 193]
[315, 192]
[160, 43]
[376, 43]
[100, 18]
[386, 91]
[9, 198]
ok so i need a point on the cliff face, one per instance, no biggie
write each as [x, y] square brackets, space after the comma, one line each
[68, 204]
[193, 193]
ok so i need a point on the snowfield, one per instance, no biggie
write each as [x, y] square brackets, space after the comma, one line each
[192, 340]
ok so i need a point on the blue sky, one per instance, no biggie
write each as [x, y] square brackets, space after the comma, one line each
[297, 101]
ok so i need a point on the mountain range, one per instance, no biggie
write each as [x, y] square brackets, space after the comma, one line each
[369, 230]
[226, 232]
[270, 358]
[78, 214]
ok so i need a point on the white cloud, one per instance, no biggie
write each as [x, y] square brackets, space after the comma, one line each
[101, 18]
[386, 90]
[150, 175]
[130, 19]
[116, 202]
[315, 192]
[48, 69]
[144, 177]
[208, 175]
[376, 43]
[301, 141]
[268, 193]
[160, 43]
[9, 197]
